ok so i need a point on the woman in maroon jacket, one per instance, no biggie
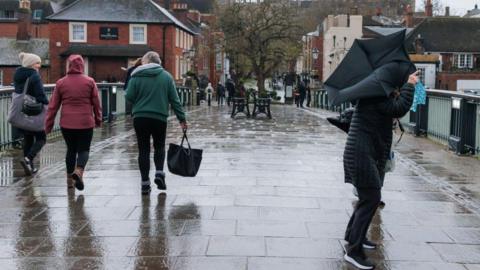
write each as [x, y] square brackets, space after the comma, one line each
[77, 94]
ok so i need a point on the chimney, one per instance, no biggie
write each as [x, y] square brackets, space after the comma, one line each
[24, 20]
[419, 45]
[447, 11]
[429, 9]
[409, 17]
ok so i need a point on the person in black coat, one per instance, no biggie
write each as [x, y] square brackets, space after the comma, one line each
[231, 91]
[220, 94]
[303, 93]
[33, 142]
[366, 152]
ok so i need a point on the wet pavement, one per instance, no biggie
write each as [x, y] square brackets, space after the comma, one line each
[269, 195]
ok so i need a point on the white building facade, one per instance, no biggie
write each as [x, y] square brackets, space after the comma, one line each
[339, 34]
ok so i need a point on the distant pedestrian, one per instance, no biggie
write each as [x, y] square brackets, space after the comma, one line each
[366, 152]
[220, 94]
[303, 92]
[309, 94]
[209, 90]
[137, 63]
[151, 90]
[28, 73]
[230, 90]
[81, 112]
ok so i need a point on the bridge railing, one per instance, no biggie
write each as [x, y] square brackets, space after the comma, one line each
[450, 118]
[112, 98]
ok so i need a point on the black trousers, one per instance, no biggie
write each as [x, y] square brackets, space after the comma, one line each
[147, 128]
[33, 142]
[78, 143]
[357, 228]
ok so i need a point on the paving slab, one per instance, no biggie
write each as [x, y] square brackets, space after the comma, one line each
[269, 195]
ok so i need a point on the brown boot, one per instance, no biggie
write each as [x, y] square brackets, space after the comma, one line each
[78, 177]
[70, 181]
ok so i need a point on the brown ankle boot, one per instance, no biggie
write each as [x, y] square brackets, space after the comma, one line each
[70, 181]
[78, 177]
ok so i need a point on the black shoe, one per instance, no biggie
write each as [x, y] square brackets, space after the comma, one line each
[369, 245]
[359, 262]
[146, 189]
[160, 181]
[27, 166]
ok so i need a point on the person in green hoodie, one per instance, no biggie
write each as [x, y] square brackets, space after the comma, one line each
[151, 90]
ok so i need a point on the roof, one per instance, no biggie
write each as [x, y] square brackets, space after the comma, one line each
[474, 12]
[447, 34]
[107, 50]
[43, 5]
[121, 11]
[10, 49]
[385, 31]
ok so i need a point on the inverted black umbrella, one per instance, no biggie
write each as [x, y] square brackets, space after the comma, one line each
[371, 68]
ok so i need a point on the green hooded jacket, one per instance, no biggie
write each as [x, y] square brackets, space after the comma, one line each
[151, 89]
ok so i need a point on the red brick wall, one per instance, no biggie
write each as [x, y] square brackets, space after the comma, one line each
[60, 33]
[448, 80]
[9, 29]
[8, 73]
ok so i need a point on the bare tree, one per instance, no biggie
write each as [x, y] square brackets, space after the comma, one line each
[261, 36]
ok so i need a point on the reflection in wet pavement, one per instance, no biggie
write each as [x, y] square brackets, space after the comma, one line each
[270, 195]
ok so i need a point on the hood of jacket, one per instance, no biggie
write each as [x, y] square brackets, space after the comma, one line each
[22, 74]
[76, 65]
[148, 70]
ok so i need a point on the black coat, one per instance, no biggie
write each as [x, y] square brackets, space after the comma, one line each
[370, 138]
[35, 85]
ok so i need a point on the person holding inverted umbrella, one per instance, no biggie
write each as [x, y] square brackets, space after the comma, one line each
[379, 77]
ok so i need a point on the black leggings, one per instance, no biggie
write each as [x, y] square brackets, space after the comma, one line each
[78, 147]
[357, 228]
[146, 128]
[33, 143]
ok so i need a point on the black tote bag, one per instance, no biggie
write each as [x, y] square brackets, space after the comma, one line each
[184, 161]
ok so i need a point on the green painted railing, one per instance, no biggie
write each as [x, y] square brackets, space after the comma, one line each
[112, 98]
[450, 118]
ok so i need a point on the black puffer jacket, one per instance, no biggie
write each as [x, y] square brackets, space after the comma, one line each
[370, 138]
[35, 85]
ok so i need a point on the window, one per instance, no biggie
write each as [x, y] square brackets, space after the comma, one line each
[421, 74]
[37, 14]
[7, 14]
[138, 34]
[78, 32]
[463, 60]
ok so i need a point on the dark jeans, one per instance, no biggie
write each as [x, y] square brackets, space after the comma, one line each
[33, 143]
[221, 100]
[145, 128]
[357, 228]
[78, 147]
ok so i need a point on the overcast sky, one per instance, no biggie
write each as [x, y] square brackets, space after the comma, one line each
[457, 7]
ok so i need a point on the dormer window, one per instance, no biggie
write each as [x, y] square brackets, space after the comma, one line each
[37, 14]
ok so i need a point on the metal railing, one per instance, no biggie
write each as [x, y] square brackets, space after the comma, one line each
[450, 118]
[112, 99]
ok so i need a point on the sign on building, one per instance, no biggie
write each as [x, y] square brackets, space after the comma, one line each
[109, 33]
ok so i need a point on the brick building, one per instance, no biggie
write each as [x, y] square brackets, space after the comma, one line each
[455, 41]
[36, 23]
[109, 34]
[23, 28]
